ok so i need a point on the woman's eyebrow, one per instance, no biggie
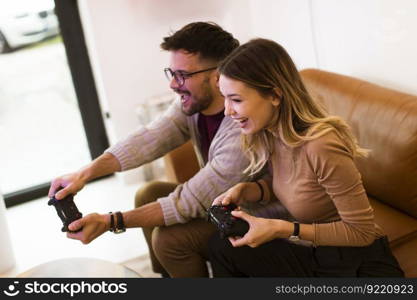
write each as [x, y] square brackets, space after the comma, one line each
[231, 95]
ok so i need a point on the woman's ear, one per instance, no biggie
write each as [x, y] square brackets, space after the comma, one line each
[276, 98]
[276, 101]
[278, 92]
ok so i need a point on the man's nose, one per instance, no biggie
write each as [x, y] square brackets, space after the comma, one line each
[173, 84]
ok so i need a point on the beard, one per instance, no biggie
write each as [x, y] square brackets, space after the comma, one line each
[193, 103]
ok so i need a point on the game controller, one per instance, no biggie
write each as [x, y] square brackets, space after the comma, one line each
[67, 211]
[228, 225]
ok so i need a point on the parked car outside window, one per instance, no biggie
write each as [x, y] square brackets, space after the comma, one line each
[24, 22]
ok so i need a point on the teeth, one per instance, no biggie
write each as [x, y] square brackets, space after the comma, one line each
[240, 120]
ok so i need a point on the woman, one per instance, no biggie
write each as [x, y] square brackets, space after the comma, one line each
[310, 155]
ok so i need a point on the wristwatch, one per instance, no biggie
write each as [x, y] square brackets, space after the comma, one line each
[295, 237]
[116, 222]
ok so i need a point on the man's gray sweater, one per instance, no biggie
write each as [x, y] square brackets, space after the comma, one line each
[224, 168]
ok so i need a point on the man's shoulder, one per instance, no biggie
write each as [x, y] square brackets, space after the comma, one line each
[228, 134]
[229, 127]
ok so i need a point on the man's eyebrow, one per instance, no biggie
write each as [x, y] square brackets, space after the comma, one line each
[179, 70]
[231, 95]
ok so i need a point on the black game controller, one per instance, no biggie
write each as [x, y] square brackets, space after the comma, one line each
[228, 225]
[67, 211]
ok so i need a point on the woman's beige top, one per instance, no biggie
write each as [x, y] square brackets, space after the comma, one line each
[319, 184]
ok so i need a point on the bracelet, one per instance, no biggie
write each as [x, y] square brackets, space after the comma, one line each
[262, 191]
[111, 222]
[116, 222]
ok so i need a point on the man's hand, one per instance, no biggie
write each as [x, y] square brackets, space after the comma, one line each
[93, 225]
[71, 184]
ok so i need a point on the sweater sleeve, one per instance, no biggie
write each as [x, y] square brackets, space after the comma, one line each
[266, 182]
[224, 169]
[337, 173]
[152, 141]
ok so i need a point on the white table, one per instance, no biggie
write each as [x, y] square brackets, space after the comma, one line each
[80, 267]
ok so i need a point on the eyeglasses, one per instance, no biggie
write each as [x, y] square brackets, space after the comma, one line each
[181, 76]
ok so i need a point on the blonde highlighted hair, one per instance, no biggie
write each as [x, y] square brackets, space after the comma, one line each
[265, 66]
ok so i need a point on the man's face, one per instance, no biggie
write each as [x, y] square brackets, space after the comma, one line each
[197, 91]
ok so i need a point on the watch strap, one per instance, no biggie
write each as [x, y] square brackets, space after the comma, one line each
[296, 229]
[295, 235]
[120, 225]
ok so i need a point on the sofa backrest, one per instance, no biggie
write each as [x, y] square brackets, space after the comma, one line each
[384, 121]
[181, 163]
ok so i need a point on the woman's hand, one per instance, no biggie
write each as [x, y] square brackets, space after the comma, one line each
[261, 230]
[238, 194]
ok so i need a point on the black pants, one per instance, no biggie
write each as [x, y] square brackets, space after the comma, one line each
[281, 258]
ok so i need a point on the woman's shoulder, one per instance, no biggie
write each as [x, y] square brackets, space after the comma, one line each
[329, 143]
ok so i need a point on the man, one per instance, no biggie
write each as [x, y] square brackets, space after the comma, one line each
[171, 215]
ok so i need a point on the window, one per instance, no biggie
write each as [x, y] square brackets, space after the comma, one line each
[50, 119]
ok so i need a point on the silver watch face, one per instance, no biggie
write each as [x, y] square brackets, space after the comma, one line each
[294, 238]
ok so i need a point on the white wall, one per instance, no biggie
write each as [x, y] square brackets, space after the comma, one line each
[370, 39]
[375, 40]
[123, 39]
[288, 23]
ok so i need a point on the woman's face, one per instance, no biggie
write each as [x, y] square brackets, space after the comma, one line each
[247, 106]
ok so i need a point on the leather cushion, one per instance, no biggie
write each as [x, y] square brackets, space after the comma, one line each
[406, 256]
[396, 225]
[384, 121]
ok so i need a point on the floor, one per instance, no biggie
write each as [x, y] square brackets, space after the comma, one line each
[36, 235]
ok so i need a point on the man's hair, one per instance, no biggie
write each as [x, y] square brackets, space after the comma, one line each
[207, 39]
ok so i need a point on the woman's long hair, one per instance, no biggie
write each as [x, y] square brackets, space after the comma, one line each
[265, 66]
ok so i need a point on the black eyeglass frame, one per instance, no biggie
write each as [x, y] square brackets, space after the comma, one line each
[181, 76]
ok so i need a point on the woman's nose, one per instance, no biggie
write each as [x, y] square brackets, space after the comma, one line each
[228, 109]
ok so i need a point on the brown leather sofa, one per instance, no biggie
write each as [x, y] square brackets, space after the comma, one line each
[384, 121]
